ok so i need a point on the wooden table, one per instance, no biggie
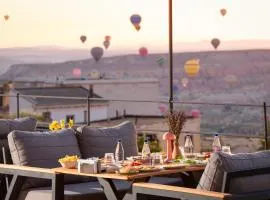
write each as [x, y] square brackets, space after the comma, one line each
[105, 179]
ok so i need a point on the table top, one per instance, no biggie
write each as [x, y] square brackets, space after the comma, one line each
[130, 177]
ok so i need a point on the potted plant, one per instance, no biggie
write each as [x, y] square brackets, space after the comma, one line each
[176, 121]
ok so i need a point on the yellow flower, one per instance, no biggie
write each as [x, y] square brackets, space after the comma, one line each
[70, 123]
[62, 124]
[51, 127]
[55, 125]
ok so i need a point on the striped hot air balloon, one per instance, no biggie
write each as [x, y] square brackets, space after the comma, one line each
[192, 67]
[160, 61]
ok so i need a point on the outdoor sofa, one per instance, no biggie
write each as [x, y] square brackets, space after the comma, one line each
[29, 155]
[241, 176]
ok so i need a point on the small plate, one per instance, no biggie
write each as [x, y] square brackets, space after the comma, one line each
[174, 167]
[150, 170]
[128, 173]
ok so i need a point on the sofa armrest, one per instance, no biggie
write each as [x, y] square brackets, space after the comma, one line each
[177, 192]
[20, 172]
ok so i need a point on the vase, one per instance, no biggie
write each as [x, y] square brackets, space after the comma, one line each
[176, 154]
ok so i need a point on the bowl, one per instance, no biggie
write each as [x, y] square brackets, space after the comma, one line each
[69, 164]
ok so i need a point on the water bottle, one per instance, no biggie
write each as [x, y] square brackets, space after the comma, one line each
[119, 153]
[146, 150]
[188, 145]
[216, 144]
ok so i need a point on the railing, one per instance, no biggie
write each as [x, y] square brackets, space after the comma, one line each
[264, 107]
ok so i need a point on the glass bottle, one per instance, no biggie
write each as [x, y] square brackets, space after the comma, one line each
[119, 153]
[216, 144]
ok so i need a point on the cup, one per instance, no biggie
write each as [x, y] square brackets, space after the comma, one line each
[109, 158]
[226, 149]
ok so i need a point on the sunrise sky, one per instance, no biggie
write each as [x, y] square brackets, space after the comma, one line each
[61, 22]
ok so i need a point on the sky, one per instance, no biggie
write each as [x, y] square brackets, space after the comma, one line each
[61, 22]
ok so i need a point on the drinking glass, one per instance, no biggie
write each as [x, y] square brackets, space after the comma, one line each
[109, 158]
[226, 149]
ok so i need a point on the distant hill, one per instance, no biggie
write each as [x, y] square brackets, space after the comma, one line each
[226, 76]
[50, 54]
[250, 69]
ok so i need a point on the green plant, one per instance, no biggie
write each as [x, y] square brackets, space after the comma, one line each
[154, 145]
[24, 114]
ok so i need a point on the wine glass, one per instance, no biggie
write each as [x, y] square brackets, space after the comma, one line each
[226, 149]
[109, 158]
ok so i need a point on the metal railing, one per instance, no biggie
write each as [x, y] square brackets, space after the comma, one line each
[88, 101]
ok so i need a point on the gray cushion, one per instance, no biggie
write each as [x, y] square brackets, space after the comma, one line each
[166, 181]
[213, 174]
[22, 124]
[8, 125]
[42, 149]
[98, 141]
[81, 191]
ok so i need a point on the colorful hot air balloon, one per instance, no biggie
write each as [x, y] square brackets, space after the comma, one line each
[107, 38]
[136, 20]
[76, 72]
[184, 82]
[97, 53]
[6, 17]
[137, 27]
[192, 67]
[223, 12]
[160, 61]
[95, 74]
[215, 42]
[195, 113]
[176, 90]
[163, 108]
[83, 38]
[106, 44]
[143, 51]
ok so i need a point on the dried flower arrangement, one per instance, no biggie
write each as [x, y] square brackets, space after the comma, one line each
[176, 121]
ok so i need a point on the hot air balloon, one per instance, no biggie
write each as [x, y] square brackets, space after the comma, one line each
[160, 61]
[184, 82]
[106, 44]
[95, 74]
[215, 42]
[136, 20]
[163, 108]
[107, 38]
[192, 67]
[76, 72]
[143, 51]
[195, 113]
[97, 53]
[137, 27]
[83, 38]
[6, 17]
[176, 90]
[223, 12]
